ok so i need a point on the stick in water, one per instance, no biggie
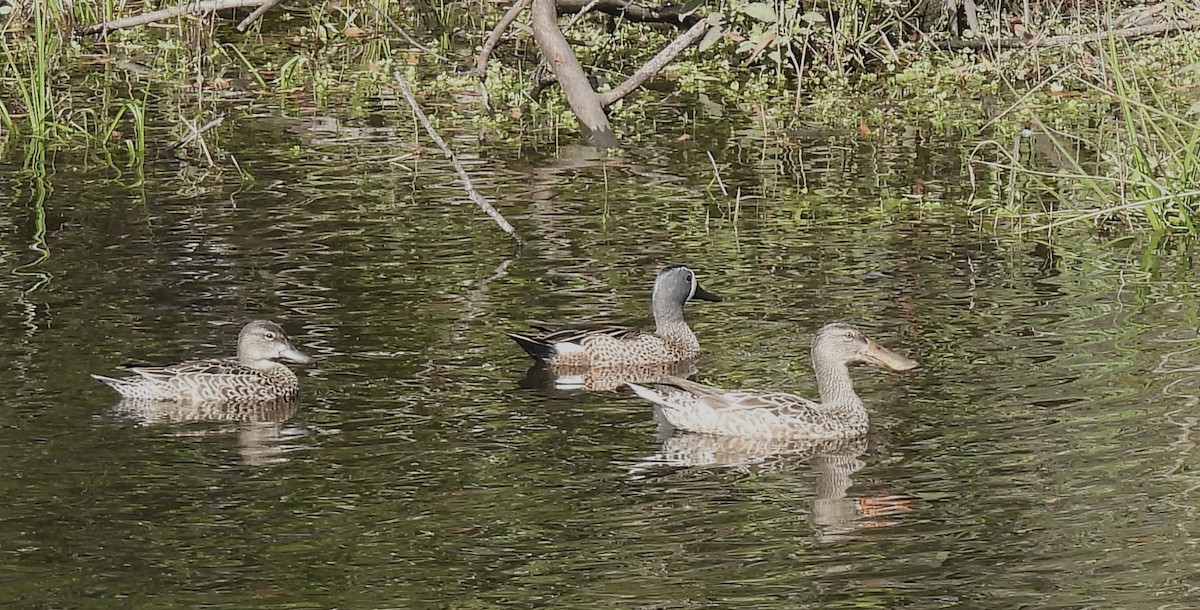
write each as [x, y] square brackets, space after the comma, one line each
[462, 172]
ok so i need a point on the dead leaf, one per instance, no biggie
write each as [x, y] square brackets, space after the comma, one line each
[762, 44]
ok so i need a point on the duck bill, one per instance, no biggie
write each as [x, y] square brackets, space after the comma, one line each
[292, 354]
[705, 295]
[881, 356]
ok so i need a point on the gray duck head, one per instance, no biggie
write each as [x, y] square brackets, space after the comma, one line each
[262, 341]
[842, 343]
[674, 286]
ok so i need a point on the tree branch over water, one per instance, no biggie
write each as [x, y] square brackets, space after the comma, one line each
[658, 62]
[191, 8]
[479, 200]
[571, 77]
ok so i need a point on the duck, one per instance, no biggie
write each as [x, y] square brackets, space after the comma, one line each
[695, 407]
[586, 345]
[254, 375]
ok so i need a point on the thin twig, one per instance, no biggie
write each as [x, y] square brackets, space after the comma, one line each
[577, 16]
[412, 41]
[196, 133]
[489, 45]
[717, 173]
[191, 8]
[257, 14]
[479, 200]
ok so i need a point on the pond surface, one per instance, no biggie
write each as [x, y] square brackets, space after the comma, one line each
[1044, 457]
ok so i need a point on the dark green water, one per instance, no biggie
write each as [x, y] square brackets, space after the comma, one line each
[1044, 457]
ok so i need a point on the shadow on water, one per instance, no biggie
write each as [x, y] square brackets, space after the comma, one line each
[1052, 422]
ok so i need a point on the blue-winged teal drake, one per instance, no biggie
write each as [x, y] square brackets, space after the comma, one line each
[695, 407]
[253, 375]
[607, 346]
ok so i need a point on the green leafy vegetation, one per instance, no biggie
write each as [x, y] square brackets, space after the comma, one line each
[1097, 131]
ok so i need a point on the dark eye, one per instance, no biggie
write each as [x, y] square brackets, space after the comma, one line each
[269, 335]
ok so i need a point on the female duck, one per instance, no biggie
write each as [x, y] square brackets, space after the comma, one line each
[695, 407]
[619, 346]
[253, 375]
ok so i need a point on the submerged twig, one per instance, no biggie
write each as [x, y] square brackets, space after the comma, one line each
[479, 200]
[191, 8]
[196, 133]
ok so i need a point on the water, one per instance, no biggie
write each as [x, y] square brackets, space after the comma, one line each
[1044, 457]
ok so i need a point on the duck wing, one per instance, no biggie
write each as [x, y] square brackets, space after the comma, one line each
[547, 343]
[574, 333]
[743, 400]
[220, 367]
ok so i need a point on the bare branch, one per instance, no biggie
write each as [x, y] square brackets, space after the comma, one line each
[489, 44]
[257, 14]
[584, 102]
[630, 11]
[479, 200]
[656, 63]
[191, 8]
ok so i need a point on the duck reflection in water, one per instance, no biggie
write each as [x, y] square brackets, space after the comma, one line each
[259, 425]
[602, 379]
[834, 513]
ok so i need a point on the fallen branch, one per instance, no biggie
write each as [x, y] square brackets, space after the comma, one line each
[191, 8]
[479, 200]
[584, 102]
[257, 14]
[656, 63]
[1070, 39]
[629, 11]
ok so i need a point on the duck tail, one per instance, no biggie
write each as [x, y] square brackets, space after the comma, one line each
[648, 394]
[540, 350]
[112, 382]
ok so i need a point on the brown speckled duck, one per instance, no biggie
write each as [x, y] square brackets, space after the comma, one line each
[253, 375]
[620, 346]
[695, 407]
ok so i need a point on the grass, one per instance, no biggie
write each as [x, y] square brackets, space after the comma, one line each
[1134, 166]
[1140, 166]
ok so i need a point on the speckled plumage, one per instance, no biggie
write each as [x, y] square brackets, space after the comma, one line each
[603, 378]
[620, 346]
[695, 407]
[253, 376]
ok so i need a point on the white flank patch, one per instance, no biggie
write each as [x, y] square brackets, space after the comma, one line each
[568, 382]
[568, 348]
